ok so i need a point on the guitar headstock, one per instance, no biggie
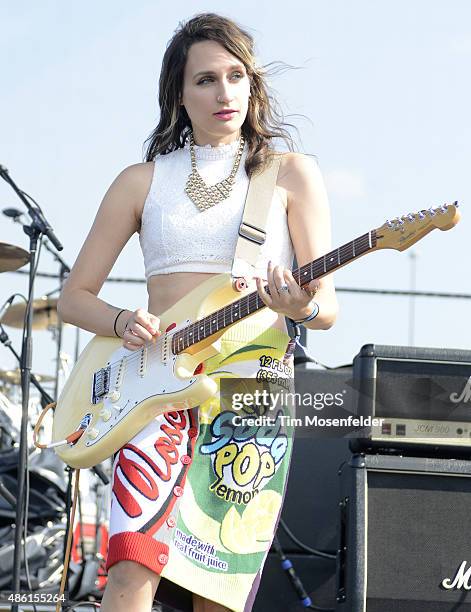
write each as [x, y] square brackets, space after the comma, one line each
[402, 232]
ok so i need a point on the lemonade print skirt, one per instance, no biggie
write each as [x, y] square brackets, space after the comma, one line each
[196, 495]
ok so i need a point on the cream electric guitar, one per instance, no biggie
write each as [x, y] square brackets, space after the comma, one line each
[112, 392]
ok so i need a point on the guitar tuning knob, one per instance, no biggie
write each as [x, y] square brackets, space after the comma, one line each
[400, 222]
[421, 215]
[443, 208]
[389, 223]
[432, 211]
[411, 217]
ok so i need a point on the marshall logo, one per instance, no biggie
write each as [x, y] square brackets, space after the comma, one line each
[461, 579]
[464, 396]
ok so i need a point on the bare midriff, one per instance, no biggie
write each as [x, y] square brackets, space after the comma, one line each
[165, 290]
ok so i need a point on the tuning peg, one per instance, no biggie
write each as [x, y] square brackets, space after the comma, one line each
[421, 214]
[455, 204]
[443, 208]
[432, 211]
[411, 217]
[389, 223]
[400, 222]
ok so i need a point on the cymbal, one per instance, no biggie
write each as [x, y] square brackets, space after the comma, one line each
[44, 314]
[14, 377]
[12, 257]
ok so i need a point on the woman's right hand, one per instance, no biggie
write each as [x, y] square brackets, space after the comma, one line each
[141, 327]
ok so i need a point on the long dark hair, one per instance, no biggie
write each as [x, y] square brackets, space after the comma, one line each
[264, 120]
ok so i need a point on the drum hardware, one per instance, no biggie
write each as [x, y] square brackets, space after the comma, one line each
[54, 325]
[36, 230]
[44, 315]
[45, 397]
[9, 432]
[12, 257]
[62, 359]
[13, 377]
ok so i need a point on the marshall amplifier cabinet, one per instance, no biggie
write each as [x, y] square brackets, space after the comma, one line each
[420, 399]
[405, 543]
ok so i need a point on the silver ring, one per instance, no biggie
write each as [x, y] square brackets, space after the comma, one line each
[283, 288]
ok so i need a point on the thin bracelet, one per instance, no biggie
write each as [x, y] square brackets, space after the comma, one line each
[312, 316]
[116, 320]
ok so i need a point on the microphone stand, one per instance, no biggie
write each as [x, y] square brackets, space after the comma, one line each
[5, 339]
[39, 227]
[64, 270]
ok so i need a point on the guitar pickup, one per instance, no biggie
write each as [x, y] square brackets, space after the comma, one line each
[101, 384]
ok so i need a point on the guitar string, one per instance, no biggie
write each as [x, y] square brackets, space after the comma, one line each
[360, 242]
[321, 263]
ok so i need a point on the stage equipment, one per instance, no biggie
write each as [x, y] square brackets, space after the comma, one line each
[12, 257]
[403, 524]
[421, 398]
[113, 393]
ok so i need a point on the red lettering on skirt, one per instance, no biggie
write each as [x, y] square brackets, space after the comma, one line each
[167, 447]
[140, 478]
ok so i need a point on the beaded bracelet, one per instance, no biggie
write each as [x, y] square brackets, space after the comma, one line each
[116, 320]
[312, 316]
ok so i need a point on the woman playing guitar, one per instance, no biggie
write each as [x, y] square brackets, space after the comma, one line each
[188, 505]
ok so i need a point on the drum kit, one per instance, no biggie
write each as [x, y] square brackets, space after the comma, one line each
[35, 485]
[47, 474]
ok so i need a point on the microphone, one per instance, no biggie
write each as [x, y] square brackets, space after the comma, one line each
[14, 213]
[17, 216]
[6, 305]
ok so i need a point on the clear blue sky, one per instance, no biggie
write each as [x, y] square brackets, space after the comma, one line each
[386, 92]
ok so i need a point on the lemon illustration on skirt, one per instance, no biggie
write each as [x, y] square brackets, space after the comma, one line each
[246, 534]
[236, 535]
[262, 512]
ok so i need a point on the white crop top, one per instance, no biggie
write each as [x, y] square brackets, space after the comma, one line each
[176, 236]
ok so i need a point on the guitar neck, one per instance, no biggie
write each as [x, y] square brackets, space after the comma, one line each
[251, 302]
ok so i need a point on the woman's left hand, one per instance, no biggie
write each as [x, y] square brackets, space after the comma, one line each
[286, 296]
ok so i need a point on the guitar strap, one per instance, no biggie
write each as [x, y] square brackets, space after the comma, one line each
[252, 234]
[252, 230]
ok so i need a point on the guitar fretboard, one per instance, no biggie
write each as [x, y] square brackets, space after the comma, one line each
[250, 303]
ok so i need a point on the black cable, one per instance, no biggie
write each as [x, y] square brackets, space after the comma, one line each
[313, 551]
[24, 527]
[69, 526]
[80, 526]
[28, 579]
[21, 296]
[287, 566]
[29, 197]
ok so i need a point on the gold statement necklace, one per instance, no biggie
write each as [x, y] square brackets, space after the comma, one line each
[205, 196]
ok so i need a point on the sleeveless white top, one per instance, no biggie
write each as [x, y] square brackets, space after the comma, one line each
[176, 236]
